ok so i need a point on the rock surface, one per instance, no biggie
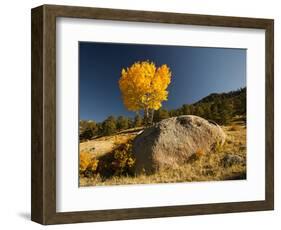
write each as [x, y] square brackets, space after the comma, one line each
[231, 159]
[173, 141]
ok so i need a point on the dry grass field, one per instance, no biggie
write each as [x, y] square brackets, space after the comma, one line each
[227, 162]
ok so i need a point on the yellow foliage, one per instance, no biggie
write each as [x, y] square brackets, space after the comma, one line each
[93, 165]
[87, 162]
[85, 159]
[143, 86]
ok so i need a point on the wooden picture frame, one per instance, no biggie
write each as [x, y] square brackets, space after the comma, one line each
[43, 188]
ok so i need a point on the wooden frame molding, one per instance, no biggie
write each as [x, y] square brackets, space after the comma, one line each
[43, 188]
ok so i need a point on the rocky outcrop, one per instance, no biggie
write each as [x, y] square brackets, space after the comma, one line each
[173, 141]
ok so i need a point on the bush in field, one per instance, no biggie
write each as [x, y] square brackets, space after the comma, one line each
[124, 160]
[119, 162]
[88, 164]
[85, 159]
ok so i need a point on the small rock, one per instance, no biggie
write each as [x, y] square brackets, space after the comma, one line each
[231, 159]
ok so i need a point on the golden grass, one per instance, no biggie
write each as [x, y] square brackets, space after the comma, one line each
[203, 167]
[103, 145]
[233, 128]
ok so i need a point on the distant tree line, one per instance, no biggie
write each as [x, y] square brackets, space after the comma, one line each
[220, 108]
[90, 129]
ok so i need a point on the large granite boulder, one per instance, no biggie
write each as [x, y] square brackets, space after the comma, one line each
[174, 141]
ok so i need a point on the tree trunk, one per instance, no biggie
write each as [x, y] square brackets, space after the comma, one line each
[151, 116]
[146, 117]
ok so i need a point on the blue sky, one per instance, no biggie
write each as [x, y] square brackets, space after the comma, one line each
[196, 72]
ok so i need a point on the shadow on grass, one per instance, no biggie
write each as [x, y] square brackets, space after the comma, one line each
[237, 176]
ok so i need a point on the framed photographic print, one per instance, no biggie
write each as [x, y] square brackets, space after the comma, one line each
[141, 114]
